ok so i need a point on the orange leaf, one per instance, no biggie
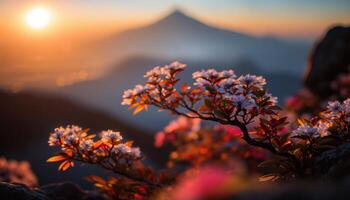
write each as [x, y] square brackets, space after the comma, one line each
[62, 164]
[129, 143]
[139, 109]
[95, 179]
[203, 108]
[56, 159]
[134, 105]
[97, 144]
[301, 122]
[83, 132]
[268, 177]
[65, 165]
[69, 153]
[185, 88]
[90, 136]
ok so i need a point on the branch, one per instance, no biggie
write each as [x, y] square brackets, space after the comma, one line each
[124, 174]
[246, 137]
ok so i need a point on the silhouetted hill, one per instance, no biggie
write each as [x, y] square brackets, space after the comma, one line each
[27, 118]
[179, 36]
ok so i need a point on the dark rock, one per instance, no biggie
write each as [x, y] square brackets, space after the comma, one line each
[20, 192]
[329, 58]
[334, 164]
[69, 190]
[60, 191]
[299, 190]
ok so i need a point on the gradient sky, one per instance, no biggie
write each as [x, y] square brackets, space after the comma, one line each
[284, 18]
[29, 55]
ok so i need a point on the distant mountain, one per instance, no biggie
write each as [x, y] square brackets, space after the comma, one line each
[179, 36]
[106, 93]
[27, 118]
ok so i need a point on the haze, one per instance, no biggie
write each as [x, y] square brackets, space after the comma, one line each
[62, 54]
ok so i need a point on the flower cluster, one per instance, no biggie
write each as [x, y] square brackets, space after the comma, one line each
[17, 172]
[251, 129]
[243, 102]
[67, 134]
[196, 145]
[335, 110]
[219, 96]
[141, 95]
[77, 144]
[314, 137]
[333, 121]
[215, 94]
[108, 152]
[182, 127]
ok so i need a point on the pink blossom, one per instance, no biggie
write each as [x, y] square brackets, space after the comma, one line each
[209, 182]
[159, 139]
[293, 102]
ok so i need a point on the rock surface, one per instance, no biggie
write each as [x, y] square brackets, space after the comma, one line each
[60, 191]
[329, 57]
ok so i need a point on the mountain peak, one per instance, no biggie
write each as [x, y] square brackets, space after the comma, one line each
[177, 13]
[177, 17]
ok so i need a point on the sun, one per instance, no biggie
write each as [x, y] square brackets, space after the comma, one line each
[38, 18]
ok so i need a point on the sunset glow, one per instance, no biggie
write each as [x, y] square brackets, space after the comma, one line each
[38, 18]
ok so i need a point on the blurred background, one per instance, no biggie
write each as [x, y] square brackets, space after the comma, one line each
[68, 62]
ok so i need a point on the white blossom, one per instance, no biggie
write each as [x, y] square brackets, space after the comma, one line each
[157, 73]
[252, 80]
[346, 106]
[322, 128]
[334, 107]
[227, 83]
[154, 74]
[337, 109]
[111, 136]
[272, 99]
[176, 66]
[306, 130]
[123, 149]
[243, 102]
[86, 145]
[227, 74]
[70, 139]
[61, 132]
[204, 77]
[135, 152]
[138, 89]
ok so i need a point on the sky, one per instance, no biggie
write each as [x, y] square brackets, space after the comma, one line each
[283, 18]
[41, 53]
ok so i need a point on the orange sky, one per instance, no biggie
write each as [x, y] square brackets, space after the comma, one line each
[89, 18]
[76, 22]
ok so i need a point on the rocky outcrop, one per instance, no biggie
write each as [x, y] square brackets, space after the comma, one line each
[299, 191]
[60, 191]
[329, 58]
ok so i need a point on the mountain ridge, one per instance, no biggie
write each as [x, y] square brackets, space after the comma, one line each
[179, 36]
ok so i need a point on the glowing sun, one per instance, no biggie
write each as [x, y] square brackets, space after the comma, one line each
[38, 18]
